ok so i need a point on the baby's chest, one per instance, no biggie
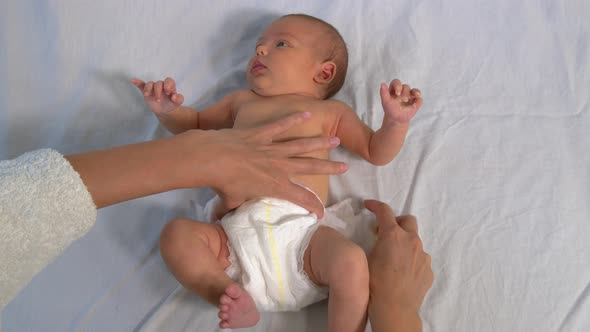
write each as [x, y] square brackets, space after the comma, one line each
[254, 114]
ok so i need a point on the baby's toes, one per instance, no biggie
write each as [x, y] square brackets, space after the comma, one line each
[223, 315]
[224, 299]
[234, 291]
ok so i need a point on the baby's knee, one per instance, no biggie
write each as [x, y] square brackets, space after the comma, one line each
[350, 268]
[171, 233]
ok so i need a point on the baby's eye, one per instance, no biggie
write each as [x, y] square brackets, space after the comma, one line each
[282, 44]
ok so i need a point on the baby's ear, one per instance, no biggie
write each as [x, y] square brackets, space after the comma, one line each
[326, 73]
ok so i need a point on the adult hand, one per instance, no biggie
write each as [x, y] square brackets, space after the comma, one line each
[248, 164]
[400, 271]
[240, 164]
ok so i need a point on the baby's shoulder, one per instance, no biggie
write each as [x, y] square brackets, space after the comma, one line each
[335, 106]
[242, 95]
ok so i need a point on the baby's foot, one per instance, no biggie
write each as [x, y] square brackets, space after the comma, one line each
[237, 309]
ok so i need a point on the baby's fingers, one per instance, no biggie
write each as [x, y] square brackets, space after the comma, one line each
[177, 98]
[138, 83]
[405, 93]
[417, 103]
[169, 86]
[148, 89]
[395, 87]
[415, 98]
[384, 92]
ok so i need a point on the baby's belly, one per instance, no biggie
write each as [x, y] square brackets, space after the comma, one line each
[317, 183]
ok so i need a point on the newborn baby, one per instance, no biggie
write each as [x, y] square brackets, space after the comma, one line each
[270, 254]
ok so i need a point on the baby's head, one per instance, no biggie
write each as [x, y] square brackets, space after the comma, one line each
[298, 54]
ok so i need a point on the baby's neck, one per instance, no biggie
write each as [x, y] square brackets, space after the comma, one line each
[305, 94]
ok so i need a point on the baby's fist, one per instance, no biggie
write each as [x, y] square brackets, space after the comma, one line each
[161, 96]
[400, 102]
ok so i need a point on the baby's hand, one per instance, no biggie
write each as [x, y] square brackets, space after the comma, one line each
[160, 96]
[400, 103]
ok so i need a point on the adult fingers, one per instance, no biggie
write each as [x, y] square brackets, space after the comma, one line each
[416, 93]
[303, 197]
[383, 212]
[425, 271]
[230, 203]
[270, 130]
[429, 269]
[408, 223]
[304, 145]
[309, 166]
[427, 260]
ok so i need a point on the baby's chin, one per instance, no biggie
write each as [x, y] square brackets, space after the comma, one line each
[265, 88]
[261, 91]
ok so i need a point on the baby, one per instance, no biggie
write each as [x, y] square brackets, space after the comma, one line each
[270, 254]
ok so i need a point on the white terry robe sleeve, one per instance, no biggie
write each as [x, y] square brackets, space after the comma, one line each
[44, 207]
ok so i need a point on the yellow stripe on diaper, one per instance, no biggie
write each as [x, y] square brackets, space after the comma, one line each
[275, 256]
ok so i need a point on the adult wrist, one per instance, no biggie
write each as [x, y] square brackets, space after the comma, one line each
[193, 160]
[387, 315]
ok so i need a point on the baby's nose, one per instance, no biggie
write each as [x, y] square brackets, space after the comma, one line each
[261, 50]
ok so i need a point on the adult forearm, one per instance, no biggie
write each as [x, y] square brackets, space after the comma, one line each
[123, 173]
[240, 164]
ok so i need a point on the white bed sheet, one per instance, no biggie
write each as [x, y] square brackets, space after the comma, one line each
[496, 164]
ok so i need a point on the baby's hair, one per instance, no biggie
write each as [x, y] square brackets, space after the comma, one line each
[336, 51]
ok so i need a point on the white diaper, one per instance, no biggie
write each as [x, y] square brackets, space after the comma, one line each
[267, 239]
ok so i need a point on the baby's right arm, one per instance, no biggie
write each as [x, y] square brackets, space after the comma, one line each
[166, 104]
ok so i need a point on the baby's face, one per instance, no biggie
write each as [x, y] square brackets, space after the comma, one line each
[286, 58]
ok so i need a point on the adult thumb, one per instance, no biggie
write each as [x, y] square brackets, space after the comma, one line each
[383, 213]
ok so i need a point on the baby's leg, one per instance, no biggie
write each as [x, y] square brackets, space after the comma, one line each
[197, 254]
[333, 261]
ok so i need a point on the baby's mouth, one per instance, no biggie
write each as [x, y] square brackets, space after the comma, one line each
[257, 66]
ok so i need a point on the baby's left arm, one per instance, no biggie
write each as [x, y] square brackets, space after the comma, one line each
[400, 104]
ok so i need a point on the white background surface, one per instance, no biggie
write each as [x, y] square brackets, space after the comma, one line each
[496, 165]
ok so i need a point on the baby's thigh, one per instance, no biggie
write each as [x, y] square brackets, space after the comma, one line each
[187, 240]
[331, 258]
